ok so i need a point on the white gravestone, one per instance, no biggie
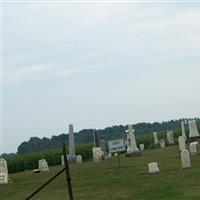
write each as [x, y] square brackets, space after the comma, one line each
[72, 154]
[62, 160]
[109, 155]
[170, 137]
[71, 141]
[3, 171]
[43, 165]
[156, 141]
[79, 159]
[68, 158]
[153, 167]
[102, 144]
[141, 147]
[193, 148]
[131, 142]
[185, 159]
[181, 142]
[183, 130]
[97, 154]
[162, 143]
[193, 131]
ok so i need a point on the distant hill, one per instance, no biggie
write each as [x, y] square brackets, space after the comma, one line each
[35, 144]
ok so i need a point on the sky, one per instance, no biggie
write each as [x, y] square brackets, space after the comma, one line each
[96, 65]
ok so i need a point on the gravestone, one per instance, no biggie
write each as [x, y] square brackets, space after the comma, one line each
[170, 137]
[193, 148]
[79, 159]
[62, 160]
[43, 165]
[102, 144]
[71, 141]
[97, 154]
[156, 141]
[181, 142]
[193, 131]
[109, 155]
[72, 155]
[153, 167]
[141, 147]
[185, 159]
[3, 171]
[183, 130]
[132, 149]
[162, 143]
[96, 140]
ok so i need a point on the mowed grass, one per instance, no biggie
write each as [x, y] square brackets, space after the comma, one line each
[105, 181]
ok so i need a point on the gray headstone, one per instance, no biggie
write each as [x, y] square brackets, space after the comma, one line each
[43, 165]
[131, 141]
[162, 143]
[170, 137]
[183, 130]
[155, 137]
[71, 141]
[96, 140]
[181, 142]
[193, 148]
[3, 171]
[185, 159]
[193, 131]
[97, 154]
[153, 167]
[103, 145]
[79, 159]
[62, 160]
[141, 147]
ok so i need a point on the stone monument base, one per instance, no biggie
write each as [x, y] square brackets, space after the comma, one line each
[170, 144]
[134, 154]
[72, 159]
[194, 139]
[156, 146]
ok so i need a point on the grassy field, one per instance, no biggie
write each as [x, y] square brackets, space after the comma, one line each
[106, 182]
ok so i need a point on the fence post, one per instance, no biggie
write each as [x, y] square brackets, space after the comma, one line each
[67, 173]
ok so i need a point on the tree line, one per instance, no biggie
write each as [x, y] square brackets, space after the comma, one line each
[85, 136]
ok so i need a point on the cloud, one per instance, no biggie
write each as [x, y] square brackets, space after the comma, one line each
[26, 73]
[35, 73]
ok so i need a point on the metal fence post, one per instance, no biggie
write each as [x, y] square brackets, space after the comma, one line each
[67, 173]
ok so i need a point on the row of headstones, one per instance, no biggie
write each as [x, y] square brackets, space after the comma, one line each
[75, 159]
[192, 146]
[185, 162]
[99, 153]
[42, 164]
[42, 167]
[161, 143]
[132, 148]
[99, 150]
[193, 134]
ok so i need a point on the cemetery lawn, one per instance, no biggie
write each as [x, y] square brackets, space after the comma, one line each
[104, 181]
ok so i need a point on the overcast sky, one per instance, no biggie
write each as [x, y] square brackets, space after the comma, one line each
[97, 65]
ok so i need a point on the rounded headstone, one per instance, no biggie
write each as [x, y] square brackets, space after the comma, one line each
[153, 167]
[185, 159]
[79, 159]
